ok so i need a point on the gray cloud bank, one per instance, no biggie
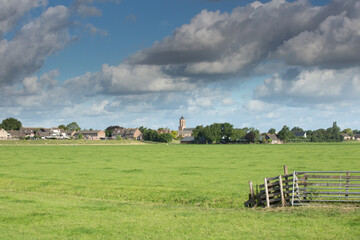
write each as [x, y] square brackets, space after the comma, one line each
[216, 45]
[295, 32]
[318, 45]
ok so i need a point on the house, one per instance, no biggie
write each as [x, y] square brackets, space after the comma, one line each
[52, 133]
[91, 134]
[164, 130]
[69, 133]
[183, 130]
[274, 139]
[347, 136]
[3, 134]
[43, 133]
[187, 140]
[129, 133]
[16, 134]
[300, 134]
[29, 131]
[357, 137]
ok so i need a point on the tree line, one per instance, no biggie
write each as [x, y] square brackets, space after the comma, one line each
[155, 136]
[226, 133]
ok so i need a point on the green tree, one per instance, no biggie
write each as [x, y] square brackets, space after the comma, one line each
[109, 130]
[62, 126]
[355, 131]
[151, 135]
[11, 124]
[348, 131]
[174, 134]
[319, 135]
[213, 132]
[297, 129]
[285, 134]
[256, 132]
[165, 137]
[272, 131]
[333, 134]
[198, 133]
[250, 137]
[73, 127]
[226, 131]
[80, 136]
[142, 129]
[237, 134]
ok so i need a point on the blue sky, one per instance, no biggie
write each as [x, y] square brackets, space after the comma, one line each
[256, 64]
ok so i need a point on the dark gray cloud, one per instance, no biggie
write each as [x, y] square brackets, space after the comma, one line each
[25, 53]
[335, 44]
[231, 43]
[217, 42]
[12, 10]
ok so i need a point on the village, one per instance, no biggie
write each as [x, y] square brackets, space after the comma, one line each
[184, 134]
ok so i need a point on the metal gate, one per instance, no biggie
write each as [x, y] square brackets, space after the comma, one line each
[335, 186]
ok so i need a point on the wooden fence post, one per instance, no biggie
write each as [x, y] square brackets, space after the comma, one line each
[252, 193]
[267, 193]
[281, 192]
[286, 180]
[285, 170]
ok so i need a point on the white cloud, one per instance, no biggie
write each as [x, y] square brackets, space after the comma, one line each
[127, 79]
[312, 87]
[227, 101]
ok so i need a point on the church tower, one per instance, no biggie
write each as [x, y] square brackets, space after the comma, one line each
[182, 124]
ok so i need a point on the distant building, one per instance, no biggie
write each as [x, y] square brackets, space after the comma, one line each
[300, 134]
[183, 130]
[164, 130]
[51, 133]
[347, 136]
[357, 137]
[16, 134]
[129, 133]
[187, 140]
[3, 134]
[274, 138]
[91, 134]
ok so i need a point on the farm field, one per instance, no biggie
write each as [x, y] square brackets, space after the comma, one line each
[164, 192]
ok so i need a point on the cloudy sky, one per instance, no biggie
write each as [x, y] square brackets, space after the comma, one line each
[258, 64]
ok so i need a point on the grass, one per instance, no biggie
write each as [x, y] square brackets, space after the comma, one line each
[69, 142]
[163, 192]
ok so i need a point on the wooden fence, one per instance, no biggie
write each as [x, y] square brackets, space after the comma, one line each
[335, 186]
[304, 188]
[275, 192]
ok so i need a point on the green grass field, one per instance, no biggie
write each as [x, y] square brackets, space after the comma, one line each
[163, 192]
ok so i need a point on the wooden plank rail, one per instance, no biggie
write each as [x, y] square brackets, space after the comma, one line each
[341, 186]
[332, 184]
[301, 188]
[331, 177]
[272, 193]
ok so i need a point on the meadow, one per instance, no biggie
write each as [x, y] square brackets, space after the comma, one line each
[163, 191]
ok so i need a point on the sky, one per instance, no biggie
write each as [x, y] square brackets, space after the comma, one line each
[132, 63]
